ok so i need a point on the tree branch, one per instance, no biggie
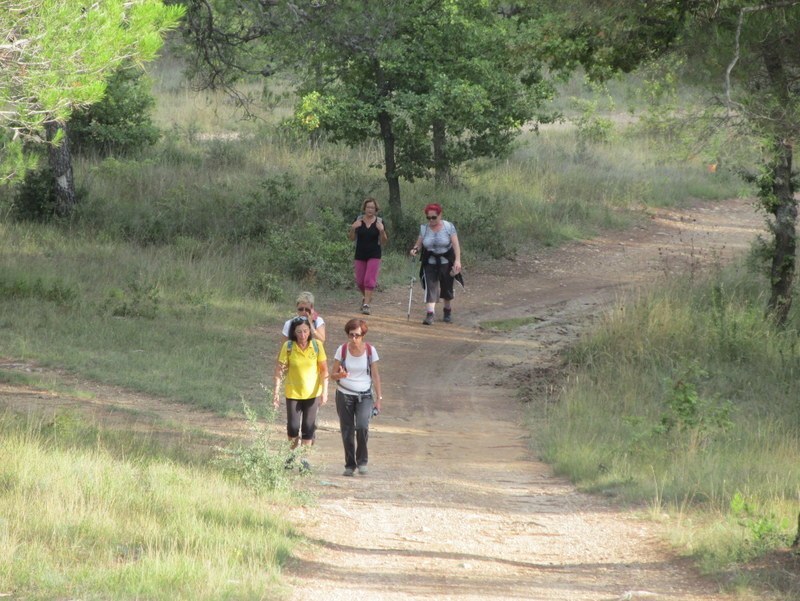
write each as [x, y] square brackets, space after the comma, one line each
[746, 10]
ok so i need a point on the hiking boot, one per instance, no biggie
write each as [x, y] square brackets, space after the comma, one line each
[448, 316]
[362, 469]
[348, 471]
[305, 467]
[428, 319]
[365, 309]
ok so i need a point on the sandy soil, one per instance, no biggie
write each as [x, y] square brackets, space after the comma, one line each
[456, 505]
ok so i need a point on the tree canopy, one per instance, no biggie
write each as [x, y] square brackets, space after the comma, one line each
[746, 56]
[56, 55]
[436, 81]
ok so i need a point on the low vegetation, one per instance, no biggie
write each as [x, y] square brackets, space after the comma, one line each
[94, 514]
[685, 398]
[176, 270]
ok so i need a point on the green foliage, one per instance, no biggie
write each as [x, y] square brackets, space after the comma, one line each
[722, 420]
[61, 56]
[592, 128]
[312, 257]
[763, 531]
[120, 123]
[694, 418]
[473, 218]
[25, 287]
[462, 67]
[35, 198]
[261, 463]
[139, 300]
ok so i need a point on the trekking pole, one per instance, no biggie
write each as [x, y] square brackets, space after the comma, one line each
[410, 290]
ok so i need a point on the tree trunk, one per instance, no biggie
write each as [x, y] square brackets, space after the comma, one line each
[781, 202]
[441, 162]
[784, 208]
[387, 134]
[60, 161]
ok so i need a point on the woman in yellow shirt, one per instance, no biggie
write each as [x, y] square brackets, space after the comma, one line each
[302, 361]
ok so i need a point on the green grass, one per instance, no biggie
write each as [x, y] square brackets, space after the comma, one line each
[98, 515]
[685, 398]
[180, 265]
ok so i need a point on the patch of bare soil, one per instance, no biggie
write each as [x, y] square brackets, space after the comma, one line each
[455, 505]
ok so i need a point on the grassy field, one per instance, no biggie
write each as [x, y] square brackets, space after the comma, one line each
[686, 402]
[92, 514]
[179, 266]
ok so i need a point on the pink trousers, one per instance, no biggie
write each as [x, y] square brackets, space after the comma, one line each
[366, 273]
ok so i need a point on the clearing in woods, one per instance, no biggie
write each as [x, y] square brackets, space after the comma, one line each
[455, 505]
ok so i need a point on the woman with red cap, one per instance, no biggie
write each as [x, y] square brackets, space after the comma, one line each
[441, 261]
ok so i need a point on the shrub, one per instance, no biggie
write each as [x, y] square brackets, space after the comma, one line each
[35, 198]
[260, 463]
[120, 123]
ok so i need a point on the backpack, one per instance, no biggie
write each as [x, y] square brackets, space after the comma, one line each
[377, 220]
[369, 358]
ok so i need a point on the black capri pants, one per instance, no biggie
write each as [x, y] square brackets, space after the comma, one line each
[301, 418]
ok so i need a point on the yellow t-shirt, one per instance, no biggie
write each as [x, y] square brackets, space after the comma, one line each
[303, 380]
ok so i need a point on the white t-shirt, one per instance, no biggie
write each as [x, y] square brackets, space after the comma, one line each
[318, 323]
[358, 380]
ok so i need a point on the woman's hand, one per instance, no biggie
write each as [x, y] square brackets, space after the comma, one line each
[356, 224]
[456, 267]
[276, 400]
[413, 252]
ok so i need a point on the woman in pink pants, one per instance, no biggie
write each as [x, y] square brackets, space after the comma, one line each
[369, 233]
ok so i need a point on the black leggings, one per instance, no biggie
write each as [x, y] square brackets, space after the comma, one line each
[301, 418]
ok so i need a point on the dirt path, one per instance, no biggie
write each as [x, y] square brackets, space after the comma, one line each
[456, 505]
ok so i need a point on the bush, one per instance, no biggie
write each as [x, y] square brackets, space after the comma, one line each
[35, 198]
[478, 228]
[260, 464]
[120, 123]
[310, 255]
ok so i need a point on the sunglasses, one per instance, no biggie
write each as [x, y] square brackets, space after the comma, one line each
[305, 309]
[355, 334]
[431, 216]
[300, 319]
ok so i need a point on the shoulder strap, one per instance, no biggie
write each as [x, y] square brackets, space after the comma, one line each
[314, 345]
[369, 357]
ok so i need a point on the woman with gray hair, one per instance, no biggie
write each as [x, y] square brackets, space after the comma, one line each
[305, 308]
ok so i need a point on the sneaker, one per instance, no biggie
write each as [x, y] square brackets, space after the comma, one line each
[348, 471]
[365, 309]
[428, 319]
[362, 469]
[448, 316]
